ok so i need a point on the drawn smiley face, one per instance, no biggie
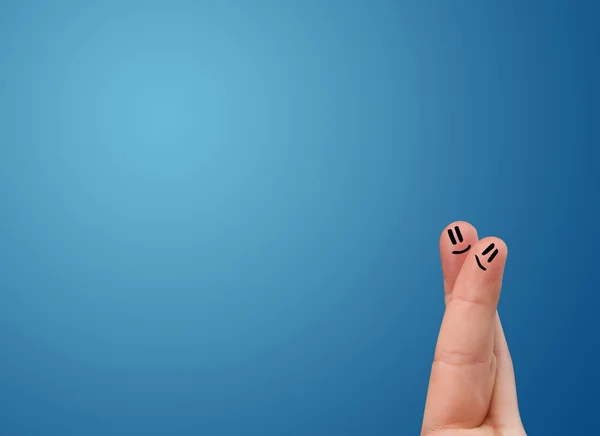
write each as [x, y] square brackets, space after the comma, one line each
[460, 239]
[486, 251]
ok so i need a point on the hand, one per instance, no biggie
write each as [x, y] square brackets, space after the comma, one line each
[472, 386]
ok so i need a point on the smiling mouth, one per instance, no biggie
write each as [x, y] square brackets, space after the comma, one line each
[462, 251]
[479, 263]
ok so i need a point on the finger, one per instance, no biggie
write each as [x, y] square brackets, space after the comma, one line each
[463, 372]
[456, 241]
[504, 409]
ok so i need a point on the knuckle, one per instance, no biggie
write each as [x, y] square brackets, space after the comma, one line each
[456, 357]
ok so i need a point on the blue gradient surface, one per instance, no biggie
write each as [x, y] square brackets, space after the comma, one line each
[221, 218]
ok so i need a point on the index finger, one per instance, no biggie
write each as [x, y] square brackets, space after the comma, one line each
[456, 241]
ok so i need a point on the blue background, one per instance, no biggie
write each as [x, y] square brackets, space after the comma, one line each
[222, 218]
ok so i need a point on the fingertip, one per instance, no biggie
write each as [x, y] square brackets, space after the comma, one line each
[489, 244]
[457, 233]
[456, 243]
[490, 255]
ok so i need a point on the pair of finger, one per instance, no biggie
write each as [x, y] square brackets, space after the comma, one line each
[472, 378]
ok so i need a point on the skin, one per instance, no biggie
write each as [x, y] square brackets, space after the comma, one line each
[472, 389]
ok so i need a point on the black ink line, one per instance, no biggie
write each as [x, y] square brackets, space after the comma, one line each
[451, 236]
[487, 250]
[462, 251]
[479, 263]
[493, 255]
[460, 238]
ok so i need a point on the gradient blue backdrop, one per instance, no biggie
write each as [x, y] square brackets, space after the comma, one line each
[221, 218]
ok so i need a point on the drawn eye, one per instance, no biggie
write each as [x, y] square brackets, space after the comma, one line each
[490, 248]
[458, 235]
